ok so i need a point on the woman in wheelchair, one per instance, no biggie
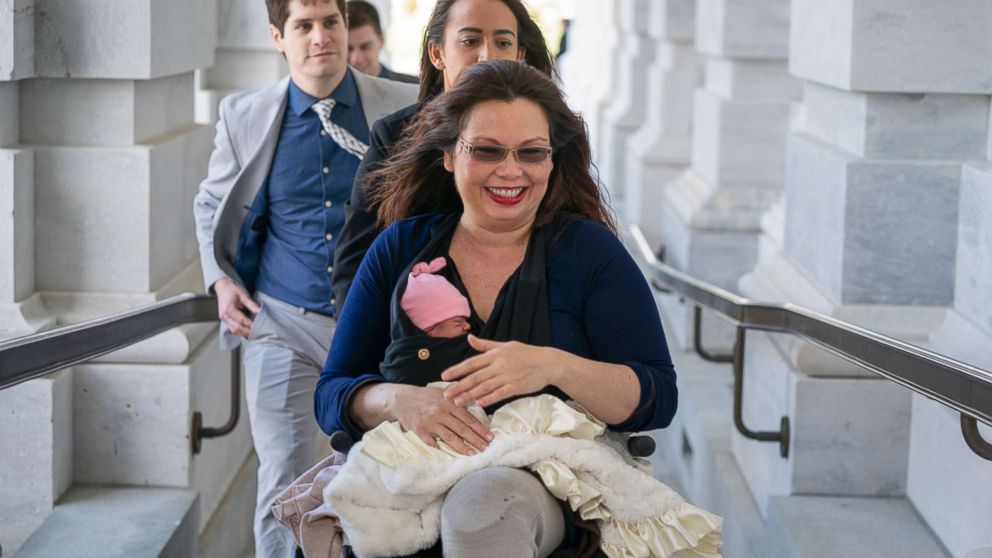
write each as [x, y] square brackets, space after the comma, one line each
[494, 176]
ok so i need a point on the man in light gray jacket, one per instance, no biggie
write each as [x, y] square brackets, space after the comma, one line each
[267, 215]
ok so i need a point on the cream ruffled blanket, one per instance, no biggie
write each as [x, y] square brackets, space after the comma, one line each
[388, 495]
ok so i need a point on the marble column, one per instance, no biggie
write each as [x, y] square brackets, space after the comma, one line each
[943, 474]
[710, 213]
[573, 63]
[21, 309]
[99, 161]
[37, 431]
[244, 58]
[660, 149]
[882, 224]
[589, 66]
[625, 108]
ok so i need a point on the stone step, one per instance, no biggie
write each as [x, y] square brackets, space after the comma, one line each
[839, 527]
[228, 532]
[102, 522]
[696, 453]
[801, 526]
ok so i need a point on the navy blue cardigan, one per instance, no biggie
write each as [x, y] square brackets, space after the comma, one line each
[601, 309]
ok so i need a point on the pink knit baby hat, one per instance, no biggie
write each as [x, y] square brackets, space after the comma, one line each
[430, 299]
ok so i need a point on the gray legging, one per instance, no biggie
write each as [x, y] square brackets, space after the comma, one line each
[500, 512]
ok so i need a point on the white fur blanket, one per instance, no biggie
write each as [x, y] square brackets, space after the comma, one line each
[388, 494]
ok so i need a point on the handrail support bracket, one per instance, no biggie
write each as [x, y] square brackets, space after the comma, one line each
[198, 432]
[783, 434]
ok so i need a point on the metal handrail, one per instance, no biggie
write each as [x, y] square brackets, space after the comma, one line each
[33, 356]
[960, 386]
[955, 384]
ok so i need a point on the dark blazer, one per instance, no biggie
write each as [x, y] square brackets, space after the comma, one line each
[360, 228]
[386, 73]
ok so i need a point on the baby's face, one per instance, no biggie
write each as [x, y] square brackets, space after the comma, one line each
[452, 327]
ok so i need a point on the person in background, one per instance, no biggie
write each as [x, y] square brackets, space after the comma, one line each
[267, 216]
[365, 42]
[563, 42]
[460, 33]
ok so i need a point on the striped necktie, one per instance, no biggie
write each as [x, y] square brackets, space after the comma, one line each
[342, 137]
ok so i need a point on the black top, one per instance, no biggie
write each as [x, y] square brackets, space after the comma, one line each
[360, 227]
[520, 313]
[386, 73]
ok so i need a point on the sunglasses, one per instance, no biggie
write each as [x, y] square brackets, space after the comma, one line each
[495, 153]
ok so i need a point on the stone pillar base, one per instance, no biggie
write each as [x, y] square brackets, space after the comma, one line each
[25, 317]
[36, 462]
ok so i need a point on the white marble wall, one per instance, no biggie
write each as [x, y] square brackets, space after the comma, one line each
[879, 226]
[74, 40]
[133, 420]
[244, 57]
[17, 39]
[99, 160]
[626, 107]
[582, 63]
[20, 309]
[710, 212]
[36, 465]
[943, 473]
[16, 199]
[590, 67]
[659, 150]
[868, 199]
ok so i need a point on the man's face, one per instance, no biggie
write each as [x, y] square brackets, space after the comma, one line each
[314, 40]
[364, 45]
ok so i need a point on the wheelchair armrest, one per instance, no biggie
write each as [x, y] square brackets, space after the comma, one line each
[640, 446]
[341, 441]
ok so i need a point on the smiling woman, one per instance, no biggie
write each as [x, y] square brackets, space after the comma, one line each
[503, 193]
[532, 246]
[442, 161]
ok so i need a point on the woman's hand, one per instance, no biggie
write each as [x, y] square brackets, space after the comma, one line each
[427, 413]
[503, 370]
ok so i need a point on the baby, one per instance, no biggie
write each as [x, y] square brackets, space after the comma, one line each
[433, 304]
[430, 323]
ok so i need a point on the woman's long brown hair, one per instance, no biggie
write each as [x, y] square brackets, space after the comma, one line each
[414, 181]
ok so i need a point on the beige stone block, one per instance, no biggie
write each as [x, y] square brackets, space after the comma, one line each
[60, 112]
[907, 46]
[9, 113]
[751, 79]
[743, 28]
[973, 277]
[898, 125]
[852, 225]
[16, 39]
[236, 69]
[133, 424]
[117, 219]
[123, 39]
[16, 225]
[36, 464]
[672, 19]
[739, 143]
[243, 24]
